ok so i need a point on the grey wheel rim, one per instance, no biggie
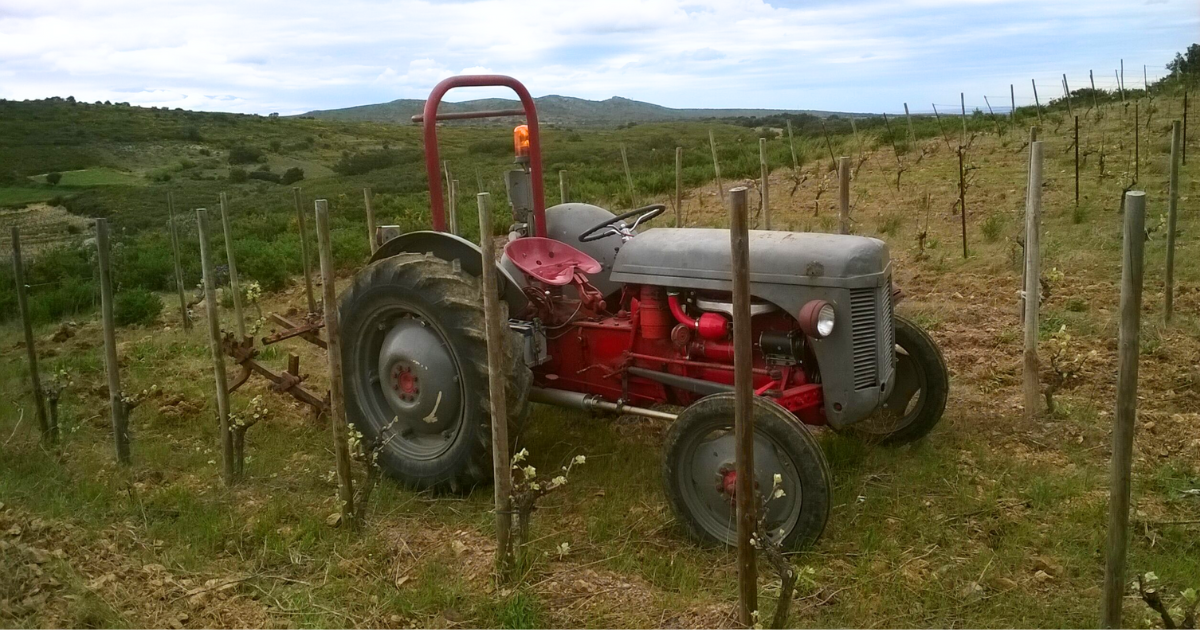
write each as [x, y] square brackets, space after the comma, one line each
[412, 390]
[706, 469]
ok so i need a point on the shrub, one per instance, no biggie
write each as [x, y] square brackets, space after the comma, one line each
[243, 154]
[993, 225]
[367, 161]
[136, 306]
[237, 175]
[276, 145]
[292, 175]
[53, 178]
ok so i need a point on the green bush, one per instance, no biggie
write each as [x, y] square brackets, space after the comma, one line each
[136, 306]
[243, 154]
[292, 175]
[266, 176]
[53, 178]
[237, 175]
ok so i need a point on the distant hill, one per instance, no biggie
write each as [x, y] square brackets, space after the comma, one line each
[563, 110]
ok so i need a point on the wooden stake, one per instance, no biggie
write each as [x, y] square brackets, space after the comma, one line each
[333, 341]
[233, 273]
[628, 176]
[712, 143]
[765, 195]
[962, 99]
[496, 332]
[119, 409]
[453, 222]
[1092, 80]
[912, 136]
[1024, 267]
[942, 129]
[792, 145]
[370, 219]
[843, 195]
[1120, 86]
[1077, 161]
[1036, 102]
[962, 195]
[562, 187]
[1172, 210]
[214, 344]
[1121, 76]
[743, 387]
[308, 283]
[678, 186]
[1137, 143]
[1033, 275]
[171, 223]
[1012, 97]
[992, 114]
[1126, 411]
[828, 145]
[1067, 94]
[1183, 154]
[39, 395]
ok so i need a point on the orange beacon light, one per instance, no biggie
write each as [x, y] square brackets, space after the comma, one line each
[521, 140]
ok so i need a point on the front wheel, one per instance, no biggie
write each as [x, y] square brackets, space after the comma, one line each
[918, 398]
[700, 476]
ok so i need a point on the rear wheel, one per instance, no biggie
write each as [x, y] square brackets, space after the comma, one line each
[918, 398]
[414, 355]
[699, 472]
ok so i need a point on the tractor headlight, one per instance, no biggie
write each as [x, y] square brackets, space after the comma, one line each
[817, 319]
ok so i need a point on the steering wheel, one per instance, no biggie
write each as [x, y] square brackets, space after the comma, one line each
[643, 214]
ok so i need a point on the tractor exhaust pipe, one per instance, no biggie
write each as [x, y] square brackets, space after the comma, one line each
[591, 402]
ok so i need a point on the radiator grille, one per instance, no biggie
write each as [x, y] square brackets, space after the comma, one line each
[888, 347]
[864, 336]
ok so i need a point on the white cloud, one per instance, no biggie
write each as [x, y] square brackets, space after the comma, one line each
[294, 56]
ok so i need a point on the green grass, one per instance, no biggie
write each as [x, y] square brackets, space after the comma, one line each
[20, 196]
[87, 178]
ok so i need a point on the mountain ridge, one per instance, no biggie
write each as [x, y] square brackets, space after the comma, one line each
[558, 109]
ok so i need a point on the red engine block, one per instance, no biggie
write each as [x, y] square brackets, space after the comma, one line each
[591, 352]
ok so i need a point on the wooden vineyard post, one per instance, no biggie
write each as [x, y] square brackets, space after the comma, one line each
[678, 186]
[39, 396]
[453, 222]
[765, 195]
[992, 114]
[214, 343]
[938, 118]
[828, 145]
[1012, 107]
[1172, 214]
[1120, 86]
[1126, 411]
[712, 143]
[1092, 80]
[333, 341]
[792, 144]
[1033, 275]
[562, 187]
[912, 136]
[962, 99]
[174, 227]
[233, 274]
[1076, 161]
[843, 195]
[962, 195]
[1183, 153]
[1024, 267]
[304, 258]
[1036, 102]
[628, 175]
[370, 219]
[1067, 94]
[743, 389]
[496, 331]
[1137, 143]
[119, 410]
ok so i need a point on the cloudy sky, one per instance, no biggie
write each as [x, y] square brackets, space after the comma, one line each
[849, 55]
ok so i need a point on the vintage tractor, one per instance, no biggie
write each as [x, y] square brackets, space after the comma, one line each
[609, 314]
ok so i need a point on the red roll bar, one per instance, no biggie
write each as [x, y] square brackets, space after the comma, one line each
[433, 164]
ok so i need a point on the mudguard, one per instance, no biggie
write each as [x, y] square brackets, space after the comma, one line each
[450, 247]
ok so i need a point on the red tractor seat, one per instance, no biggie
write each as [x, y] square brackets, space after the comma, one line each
[549, 261]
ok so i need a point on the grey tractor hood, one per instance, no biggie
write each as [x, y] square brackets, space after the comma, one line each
[798, 258]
